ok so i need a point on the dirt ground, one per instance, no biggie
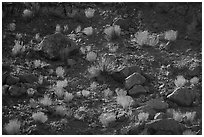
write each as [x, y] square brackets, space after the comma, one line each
[160, 65]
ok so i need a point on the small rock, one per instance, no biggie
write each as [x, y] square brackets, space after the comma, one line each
[166, 125]
[134, 79]
[182, 96]
[16, 91]
[28, 78]
[12, 80]
[160, 115]
[137, 89]
[157, 104]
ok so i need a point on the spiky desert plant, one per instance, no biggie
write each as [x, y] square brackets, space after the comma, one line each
[112, 32]
[61, 111]
[68, 97]
[107, 118]
[89, 12]
[142, 117]
[40, 117]
[13, 127]
[46, 101]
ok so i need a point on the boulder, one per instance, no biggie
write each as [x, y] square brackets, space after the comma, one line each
[12, 80]
[28, 78]
[127, 71]
[137, 89]
[58, 46]
[16, 90]
[4, 77]
[148, 110]
[166, 125]
[160, 115]
[182, 96]
[134, 79]
[157, 104]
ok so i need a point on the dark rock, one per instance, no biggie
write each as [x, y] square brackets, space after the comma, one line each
[157, 104]
[123, 23]
[127, 71]
[58, 46]
[134, 79]
[16, 90]
[4, 77]
[195, 70]
[161, 132]
[137, 89]
[182, 96]
[166, 125]
[136, 129]
[12, 80]
[147, 109]
[5, 89]
[160, 115]
[28, 78]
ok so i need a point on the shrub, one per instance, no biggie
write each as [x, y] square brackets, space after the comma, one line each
[145, 38]
[189, 132]
[107, 118]
[91, 56]
[18, 48]
[93, 71]
[170, 35]
[180, 81]
[13, 127]
[88, 31]
[46, 101]
[124, 101]
[89, 12]
[112, 32]
[27, 13]
[142, 117]
[40, 117]
[85, 93]
[60, 72]
[59, 92]
[68, 97]
[61, 111]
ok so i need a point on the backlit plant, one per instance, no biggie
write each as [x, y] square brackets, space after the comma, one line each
[13, 127]
[40, 117]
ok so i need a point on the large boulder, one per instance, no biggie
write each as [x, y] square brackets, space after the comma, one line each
[12, 80]
[127, 71]
[157, 104]
[16, 90]
[28, 78]
[137, 89]
[166, 125]
[58, 46]
[134, 79]
[182, 96]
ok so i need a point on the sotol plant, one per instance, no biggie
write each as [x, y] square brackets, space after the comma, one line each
[13, 127]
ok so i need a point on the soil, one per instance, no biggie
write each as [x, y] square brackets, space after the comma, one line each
[160, 65]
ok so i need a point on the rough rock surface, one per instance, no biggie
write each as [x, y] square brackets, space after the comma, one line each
[58, 46]
[16, 91]
[137, 89]
[157, 104]
[12, 80]
[182, 96]
[127, 71]
[28, 78]
[166, 125]
[134, 79]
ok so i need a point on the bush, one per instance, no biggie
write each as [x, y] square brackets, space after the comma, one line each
[13, 127]
[40, 117]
